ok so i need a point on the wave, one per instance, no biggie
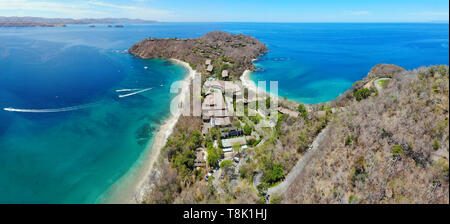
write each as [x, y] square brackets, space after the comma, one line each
[64, 109]
[134, 93]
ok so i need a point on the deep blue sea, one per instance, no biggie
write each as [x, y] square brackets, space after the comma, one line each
[92, 138]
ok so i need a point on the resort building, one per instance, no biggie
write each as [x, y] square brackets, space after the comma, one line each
[213, 106]
[210, 68]
[200, 159]
[225, 74]
[220, 122]
[224, 86]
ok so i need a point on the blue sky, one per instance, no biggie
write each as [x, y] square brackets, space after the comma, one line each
[236, 10]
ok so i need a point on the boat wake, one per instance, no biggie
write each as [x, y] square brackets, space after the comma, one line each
[127, 90]
[64, 109]
[134, 93]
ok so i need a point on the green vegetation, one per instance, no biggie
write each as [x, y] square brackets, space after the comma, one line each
[236, 147]
[326, 108]
[247, 129]
[273, 173]
[256, 119]
[181, 151]
[268, 102]
[383, 82]
[262, 189]
[361, 94]
[226, 164]
[435, 145]
[275, 199]
[303, 142]
[303, 111]
[214, 155]
[359, 172]
[350, 139]
[397, 150]
[352, 199]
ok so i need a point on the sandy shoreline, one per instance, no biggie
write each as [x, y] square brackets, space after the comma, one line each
[134, 192]
[251, 86]
[133, 187]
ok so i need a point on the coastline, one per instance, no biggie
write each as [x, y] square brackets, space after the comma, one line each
[251, 86]
[132, 193]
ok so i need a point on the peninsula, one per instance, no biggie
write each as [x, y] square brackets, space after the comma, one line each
[220, 50]
[383, 136]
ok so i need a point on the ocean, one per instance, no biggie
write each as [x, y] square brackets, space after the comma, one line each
[67, 136]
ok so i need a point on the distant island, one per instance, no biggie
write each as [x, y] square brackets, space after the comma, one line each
[212, 53]
[62, 22]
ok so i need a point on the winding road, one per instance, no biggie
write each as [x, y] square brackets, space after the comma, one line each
[298, 168]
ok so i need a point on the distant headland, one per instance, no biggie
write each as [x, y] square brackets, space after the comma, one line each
[213, 53]
[62, 22]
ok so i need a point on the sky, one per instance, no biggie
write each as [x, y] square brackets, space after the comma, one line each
[235, 10]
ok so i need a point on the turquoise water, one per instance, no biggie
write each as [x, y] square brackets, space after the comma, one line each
[75, 155]
[316, 63]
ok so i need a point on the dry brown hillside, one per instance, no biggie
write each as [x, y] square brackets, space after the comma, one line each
[391, 147]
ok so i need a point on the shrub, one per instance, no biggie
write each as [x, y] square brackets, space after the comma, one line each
[303, 111]
[273, 173]
[348, 140]
[397, 150]
[214, 154]
[435, 145]
[243, 172]
[262, 189]
[226, 164]
[302, 143]
[247, 129]
[361, 94]
[353, 199]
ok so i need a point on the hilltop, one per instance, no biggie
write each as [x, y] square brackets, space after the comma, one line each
[225, 51]
[387, 146]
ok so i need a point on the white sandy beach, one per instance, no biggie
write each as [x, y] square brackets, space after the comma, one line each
[133, 187]
[251, 86]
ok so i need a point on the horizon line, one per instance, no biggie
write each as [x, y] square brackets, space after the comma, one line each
[154, 20]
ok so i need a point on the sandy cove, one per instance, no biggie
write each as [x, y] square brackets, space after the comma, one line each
[251, 86]
[133, 187]
[133, 191]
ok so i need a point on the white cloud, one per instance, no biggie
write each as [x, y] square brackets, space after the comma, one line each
[134, 11]
[82, 9]
[49, 7]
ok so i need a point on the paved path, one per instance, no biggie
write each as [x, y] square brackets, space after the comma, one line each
[257, 180]
[283, 186]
